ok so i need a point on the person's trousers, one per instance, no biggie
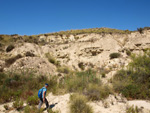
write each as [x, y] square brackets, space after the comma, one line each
[41, 102]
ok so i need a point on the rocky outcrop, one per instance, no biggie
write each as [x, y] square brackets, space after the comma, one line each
[33, 64]
[88, 49]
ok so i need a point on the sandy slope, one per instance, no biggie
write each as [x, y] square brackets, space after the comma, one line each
[113, 104]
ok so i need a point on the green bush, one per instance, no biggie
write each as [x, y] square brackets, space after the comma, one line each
[78, 104]
[24, 85]
[135, 81]
[140, 30]
[11, 60]
[97, 92]
[128, 52]
[114, 55]
[133, 109]
[131, 91]
[5, 95]
[33, 100]
[52, 59]
[81, 65]
[32, 109]
[79, 82]
[63, 69]
[103, 75]
[18, 104]
[6, 107]
[10, 48]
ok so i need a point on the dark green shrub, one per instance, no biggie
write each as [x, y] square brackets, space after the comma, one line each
[52, 60]
[133, 109]
[24, 85]
[2, 77]
[28, 53]
[114, 55]
[97, 92]
[131, 91]
[103, 75]
[1, 45]
[10, 48]
[6, 94]
[33, 100]
[6, 107]
[135, 81]
[26, 94]
[79, 82]
[78, 104]
[81, 65]
[128, 52]
[140, 30]
[18, 104]
[11, 60]
[63, 69]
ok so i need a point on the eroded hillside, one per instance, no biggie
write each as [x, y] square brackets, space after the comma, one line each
[80, 51]
[82, 64]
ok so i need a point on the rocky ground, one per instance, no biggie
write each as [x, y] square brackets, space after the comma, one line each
[113, 104]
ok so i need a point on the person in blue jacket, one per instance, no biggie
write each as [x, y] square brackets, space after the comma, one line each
[43, 98]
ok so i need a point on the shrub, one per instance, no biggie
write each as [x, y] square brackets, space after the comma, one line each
[5, 95]
[18, 104]
[28, 53]
[63, 69]
[52, 60]
[33, 100]
[132, 109]
[134, 82]
[97, 92]
[114, 55]
[32, 109]
[128, 52]
[79, 82]
[78, 104]
[10, 48]
[11, 60]
[131, 91]
[6, 107]
[14, 86]
[103, 75]
[140, 30]
[26, 94]
[81, 65]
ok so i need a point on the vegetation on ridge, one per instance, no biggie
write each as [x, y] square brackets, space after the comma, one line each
[91, 30]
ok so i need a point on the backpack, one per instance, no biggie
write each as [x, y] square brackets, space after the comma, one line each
[40, 92]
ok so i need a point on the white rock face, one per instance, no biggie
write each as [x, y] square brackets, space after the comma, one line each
[37, 65]
[92, 50]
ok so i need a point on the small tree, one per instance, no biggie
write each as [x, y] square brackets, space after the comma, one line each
[140, 30]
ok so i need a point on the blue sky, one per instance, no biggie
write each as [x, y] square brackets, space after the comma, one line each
[29, 17]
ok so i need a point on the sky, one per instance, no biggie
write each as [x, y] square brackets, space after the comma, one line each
[32, 17]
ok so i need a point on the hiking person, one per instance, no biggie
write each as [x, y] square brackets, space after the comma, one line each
[42, 96]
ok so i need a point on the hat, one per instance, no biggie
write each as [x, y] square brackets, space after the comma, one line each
[46, 84]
